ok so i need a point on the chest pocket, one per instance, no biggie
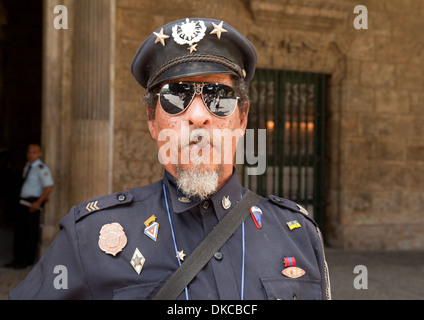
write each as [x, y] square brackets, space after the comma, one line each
[291, 289]
[145, 291]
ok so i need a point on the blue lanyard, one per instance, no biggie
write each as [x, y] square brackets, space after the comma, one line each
[176, 248]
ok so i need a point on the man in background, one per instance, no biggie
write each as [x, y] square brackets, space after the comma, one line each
[37, 184]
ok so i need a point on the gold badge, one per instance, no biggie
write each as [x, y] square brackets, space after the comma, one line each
[181, 255]
[112, 238]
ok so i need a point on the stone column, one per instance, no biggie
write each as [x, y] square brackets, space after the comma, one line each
[77, 105]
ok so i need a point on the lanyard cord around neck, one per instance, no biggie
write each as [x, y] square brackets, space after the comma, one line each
[176, 248]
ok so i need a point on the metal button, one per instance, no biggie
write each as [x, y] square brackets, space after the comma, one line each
[121, 197]
[205, 204]
[218, 256]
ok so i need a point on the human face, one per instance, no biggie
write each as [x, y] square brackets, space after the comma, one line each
[33, 153]
[197, 116]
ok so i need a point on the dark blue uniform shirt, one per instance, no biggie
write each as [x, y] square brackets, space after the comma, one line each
[93, 274]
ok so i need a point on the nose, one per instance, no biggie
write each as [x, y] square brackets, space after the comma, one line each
[197, 113]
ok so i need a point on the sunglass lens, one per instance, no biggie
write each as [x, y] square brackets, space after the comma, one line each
[175, 97]
[220, 99]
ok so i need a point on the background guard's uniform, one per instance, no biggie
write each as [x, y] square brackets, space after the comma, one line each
[91, 273]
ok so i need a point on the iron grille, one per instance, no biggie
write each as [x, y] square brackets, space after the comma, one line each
[290, 105]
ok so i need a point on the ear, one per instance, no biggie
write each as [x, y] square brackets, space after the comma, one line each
[151, 123]
[244, 117]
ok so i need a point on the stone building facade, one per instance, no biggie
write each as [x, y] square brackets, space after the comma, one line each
[94, 126]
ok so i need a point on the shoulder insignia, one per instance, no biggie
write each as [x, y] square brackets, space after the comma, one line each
[290, 205]
[41, 166]
[102, 203]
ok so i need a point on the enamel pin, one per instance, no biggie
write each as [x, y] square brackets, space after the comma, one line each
[181, 255]
[152, 228]
[137, 261]
[293, 224]
[256, 214]
[226, 203]
[293, 272]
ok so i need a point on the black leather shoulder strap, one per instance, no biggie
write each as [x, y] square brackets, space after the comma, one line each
[207, 248]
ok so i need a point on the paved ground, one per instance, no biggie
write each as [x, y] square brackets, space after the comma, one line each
[391, 275]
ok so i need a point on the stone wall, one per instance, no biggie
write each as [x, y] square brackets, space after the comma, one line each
[376, 113]
[375, 149]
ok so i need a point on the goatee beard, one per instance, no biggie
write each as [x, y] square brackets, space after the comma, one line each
[197, 181]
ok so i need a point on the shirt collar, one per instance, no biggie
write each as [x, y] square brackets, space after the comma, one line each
[232, 192]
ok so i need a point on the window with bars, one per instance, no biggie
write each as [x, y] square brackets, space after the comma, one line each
[290, 105]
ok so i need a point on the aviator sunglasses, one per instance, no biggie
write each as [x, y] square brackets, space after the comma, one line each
[220, 99]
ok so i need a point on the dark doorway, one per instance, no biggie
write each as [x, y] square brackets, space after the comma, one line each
[20, 92]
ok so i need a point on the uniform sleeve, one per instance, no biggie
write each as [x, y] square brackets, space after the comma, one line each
[46, 177]
[59, 274]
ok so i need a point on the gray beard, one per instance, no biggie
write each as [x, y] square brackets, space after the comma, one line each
[196, 182]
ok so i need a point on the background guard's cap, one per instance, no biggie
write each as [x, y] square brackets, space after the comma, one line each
[191, 47]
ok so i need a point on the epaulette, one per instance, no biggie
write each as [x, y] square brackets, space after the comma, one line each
[102, 203]
[40, 166]
[290, 205]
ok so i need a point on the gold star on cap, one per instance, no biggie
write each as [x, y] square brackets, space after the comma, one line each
[192, 48]
[181, 255]
[160, 37]
[218, 29]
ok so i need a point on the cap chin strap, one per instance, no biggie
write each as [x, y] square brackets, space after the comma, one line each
[200, 57]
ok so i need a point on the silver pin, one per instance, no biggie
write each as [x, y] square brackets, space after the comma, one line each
[226, 203]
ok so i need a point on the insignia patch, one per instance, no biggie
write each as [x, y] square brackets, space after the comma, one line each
[92, 206]
[112, 238]
[293, 224]
[293, 272]
[137, 261]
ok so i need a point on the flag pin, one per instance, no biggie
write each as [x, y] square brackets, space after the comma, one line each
[293, 224]
[152, 228]
[256, 214]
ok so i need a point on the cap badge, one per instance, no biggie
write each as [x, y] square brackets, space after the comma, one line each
[137, 261]
[160, 37]
[218, 29]
[189, 32]
[112, 238]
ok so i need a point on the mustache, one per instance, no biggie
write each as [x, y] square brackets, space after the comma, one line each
[202, 137]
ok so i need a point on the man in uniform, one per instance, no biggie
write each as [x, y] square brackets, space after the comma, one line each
[128, 244]
[37, 184]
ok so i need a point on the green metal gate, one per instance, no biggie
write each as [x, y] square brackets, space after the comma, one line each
[290, 105]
